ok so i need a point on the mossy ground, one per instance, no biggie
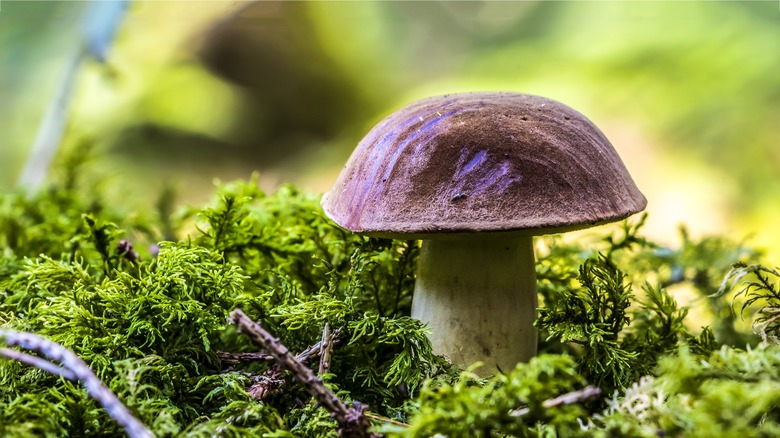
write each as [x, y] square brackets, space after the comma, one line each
[152, 322]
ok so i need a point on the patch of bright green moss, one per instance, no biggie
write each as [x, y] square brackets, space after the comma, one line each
[150, 321]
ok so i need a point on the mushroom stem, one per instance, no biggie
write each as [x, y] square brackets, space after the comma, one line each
[478, 296]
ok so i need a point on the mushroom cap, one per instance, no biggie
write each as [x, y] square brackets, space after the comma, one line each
[481, 163]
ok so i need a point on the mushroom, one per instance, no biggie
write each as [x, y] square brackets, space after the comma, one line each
[476, 176]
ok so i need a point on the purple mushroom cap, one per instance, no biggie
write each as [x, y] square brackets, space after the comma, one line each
[482, 163]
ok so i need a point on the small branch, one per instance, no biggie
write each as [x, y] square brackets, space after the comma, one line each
[50, 131]
[37, 362]
[269, 383]
[304, 356]
[326, 347]
[316, 349]
[587, 393]
[352, 422]
[385, 419]
[237, 358]
[313, 385]
[72, 368]
[265, 385]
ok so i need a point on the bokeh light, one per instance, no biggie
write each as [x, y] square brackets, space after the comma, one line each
[688, 92]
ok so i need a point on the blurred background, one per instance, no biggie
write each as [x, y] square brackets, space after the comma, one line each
[187, 91]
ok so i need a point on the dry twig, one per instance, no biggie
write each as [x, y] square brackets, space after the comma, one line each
[385, 419]
[37, 362]
[304, 356]
[352, 421]
[72, 368]
[269, 383]
[587, 393]
[326, 347]
[236, 358]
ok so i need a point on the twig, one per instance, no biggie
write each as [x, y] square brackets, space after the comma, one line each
[237, 358]
[352, 421]
[266, 384]
[49, 135]
[37, 362]
[586, 393]
[304, 356]
[385, 419]
[315, 350]
[326, 347]
[269, 383]
[99, 27]
[72, 368]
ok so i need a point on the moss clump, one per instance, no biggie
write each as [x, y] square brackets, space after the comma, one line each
[146, 305]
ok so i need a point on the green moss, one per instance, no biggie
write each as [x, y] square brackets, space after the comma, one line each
[151, 316]
[472, 408]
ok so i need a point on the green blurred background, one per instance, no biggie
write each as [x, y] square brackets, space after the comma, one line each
[688, 92]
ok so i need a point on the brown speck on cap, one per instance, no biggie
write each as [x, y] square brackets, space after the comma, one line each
[465, 163]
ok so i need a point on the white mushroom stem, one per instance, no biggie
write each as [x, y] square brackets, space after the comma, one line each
[478, 296]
